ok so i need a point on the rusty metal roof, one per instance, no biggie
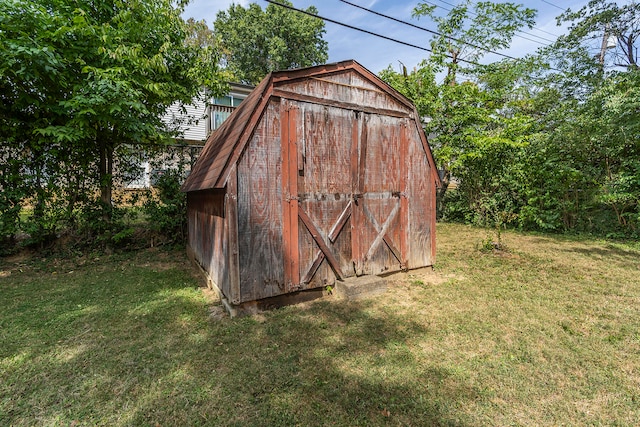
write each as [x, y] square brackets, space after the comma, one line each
[225, 145]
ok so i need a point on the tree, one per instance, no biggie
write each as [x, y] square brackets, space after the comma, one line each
[29, 85]
[464, 118]
[419, 85]
[256, 42]
[551, 142]
[467, 35]
[80, 78]
[590, 130]
[614, 29]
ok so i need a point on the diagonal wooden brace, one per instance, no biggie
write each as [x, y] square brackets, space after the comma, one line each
[326, 251]
[382, 232]
[333, 236]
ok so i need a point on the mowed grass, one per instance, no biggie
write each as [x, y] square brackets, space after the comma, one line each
[545, 334]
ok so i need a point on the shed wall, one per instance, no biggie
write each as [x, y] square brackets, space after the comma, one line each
[325, 178]
[208, 235]
[347, 89]
[422, 208]
[368, 168]
[260, 210]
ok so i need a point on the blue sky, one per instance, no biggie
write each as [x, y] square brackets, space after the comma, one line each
[375, 53]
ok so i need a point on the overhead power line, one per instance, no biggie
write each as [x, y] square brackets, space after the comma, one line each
[554, 5]
[428, 30]
[520, 31]
[516, 35]
[333, 21]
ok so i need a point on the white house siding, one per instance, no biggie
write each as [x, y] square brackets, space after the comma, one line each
[192, 122]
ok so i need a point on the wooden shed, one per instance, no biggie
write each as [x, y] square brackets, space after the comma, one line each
[321, 174]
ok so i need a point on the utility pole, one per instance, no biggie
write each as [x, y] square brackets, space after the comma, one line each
[605, 42]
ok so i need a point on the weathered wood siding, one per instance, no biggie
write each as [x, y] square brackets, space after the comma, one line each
[325, 138]
[422, 203]
[353, 169]
[208, 234]
[260, 211]
[191, 122]
[324, 177]
[344, 88]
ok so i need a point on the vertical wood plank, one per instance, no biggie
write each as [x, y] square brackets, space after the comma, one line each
[404, 196]
[421, 214]
[358, 158]
[288, 124]
[432, 211]
[286, 192]
[292, 157]
[355, 212]
[246, 222]
[301, 141]
[232, 220]
[362, 166]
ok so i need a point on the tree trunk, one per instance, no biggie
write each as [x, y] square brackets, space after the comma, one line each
[440, 193]
[445, 179]
[452, 68]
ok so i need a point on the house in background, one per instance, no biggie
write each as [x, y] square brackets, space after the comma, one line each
[195, 122]
[221, 108]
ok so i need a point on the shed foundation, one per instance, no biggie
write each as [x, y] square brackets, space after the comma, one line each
[357, 288]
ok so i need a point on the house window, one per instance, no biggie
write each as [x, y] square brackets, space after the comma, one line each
[225, 100]
[223, 107]
[229, 100]
[217, 117]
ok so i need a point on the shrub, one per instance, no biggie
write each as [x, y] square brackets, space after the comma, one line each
[166, 208]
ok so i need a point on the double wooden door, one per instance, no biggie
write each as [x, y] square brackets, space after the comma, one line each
[344, 194]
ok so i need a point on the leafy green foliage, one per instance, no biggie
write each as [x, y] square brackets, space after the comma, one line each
[167, 208]
[615, 26]
[474, 130]
[77, 80]
[11, 196]
[256, 42]
[590, 136]
[467, 33]
[419, 86]
[546, 149]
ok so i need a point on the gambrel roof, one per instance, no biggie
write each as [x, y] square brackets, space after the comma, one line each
[353, 83]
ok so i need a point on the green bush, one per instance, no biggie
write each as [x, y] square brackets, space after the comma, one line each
[166, 209]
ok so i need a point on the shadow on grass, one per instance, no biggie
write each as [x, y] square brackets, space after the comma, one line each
[612, 253]
[134, 346]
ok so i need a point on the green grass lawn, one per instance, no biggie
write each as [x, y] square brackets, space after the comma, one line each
[545, 334]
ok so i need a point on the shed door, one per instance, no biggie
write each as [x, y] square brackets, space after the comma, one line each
[343, 194]
[380, 211]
